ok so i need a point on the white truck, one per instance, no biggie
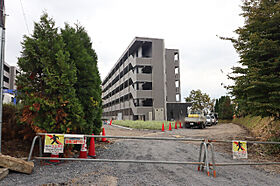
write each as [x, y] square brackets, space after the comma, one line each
[195, 119]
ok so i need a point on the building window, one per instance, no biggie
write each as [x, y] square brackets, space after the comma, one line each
[147, 49]
[6, 79]
[176, 70]
[178, 97]
[176, 56]
[6, 68]
[177, 84]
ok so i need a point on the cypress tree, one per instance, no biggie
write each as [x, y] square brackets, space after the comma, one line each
[46, 82]
[256, 86]
[88, 86]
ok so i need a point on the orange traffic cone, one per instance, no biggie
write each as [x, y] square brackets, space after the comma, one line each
[91, 151]
[162, 128]
[180, 124]
[54, 155]
[83, 152]
[103, 134]
[111, 122]
[176, 125]
[170, 128]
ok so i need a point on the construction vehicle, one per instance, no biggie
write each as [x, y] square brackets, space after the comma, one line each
[195, 119]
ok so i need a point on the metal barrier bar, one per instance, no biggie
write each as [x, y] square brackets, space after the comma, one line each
[256, 142]
[122, 161]
[136, 137]
[32, 147]
[253, 163]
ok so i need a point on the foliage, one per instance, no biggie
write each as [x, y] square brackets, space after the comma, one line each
[200, 101]
[87, 87]
[224, 107]
[256, 88]
[266, 128]
[49, 79]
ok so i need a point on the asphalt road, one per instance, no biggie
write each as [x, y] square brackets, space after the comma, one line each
[90, 173]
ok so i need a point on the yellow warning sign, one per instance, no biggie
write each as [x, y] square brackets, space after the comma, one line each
[239, 149]
[54, 143]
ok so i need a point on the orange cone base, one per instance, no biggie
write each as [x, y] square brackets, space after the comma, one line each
[54, 156]
[83, 154]
[94, 157]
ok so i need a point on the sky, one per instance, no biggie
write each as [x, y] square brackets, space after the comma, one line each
[188, 25]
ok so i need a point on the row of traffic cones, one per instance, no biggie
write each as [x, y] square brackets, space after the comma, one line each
[91, 152]
[84, 153]
[170, 127]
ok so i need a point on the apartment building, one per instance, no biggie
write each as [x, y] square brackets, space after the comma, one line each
[141, 83]
[9, 76]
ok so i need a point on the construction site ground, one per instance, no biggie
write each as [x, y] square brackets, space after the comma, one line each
[93, 173]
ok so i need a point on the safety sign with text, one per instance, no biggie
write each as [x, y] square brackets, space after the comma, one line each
[74, 139]
[239, 149]
[54, 143]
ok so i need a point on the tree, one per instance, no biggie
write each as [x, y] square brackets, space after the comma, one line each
[224, 107]
[87, 87]
[46, 82]
[256, 88]
[200, 101]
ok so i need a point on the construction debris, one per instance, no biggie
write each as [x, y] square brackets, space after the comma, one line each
[3, 173]
[16, 164]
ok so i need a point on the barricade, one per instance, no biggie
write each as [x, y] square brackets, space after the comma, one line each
[204, 160]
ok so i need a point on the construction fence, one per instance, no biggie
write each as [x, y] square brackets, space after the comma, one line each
[54, 144]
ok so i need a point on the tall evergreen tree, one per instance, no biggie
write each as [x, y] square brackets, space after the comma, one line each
[88, 86]
[257, 80]
[225, 107]
[46, 82]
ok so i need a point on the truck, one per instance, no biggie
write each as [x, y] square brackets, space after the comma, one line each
[195, 119]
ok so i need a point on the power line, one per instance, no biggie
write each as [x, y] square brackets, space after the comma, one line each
[24, 17]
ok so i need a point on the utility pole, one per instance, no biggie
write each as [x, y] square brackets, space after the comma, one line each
[2, 50]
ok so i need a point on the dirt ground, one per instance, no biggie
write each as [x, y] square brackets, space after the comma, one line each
[226, 131]
[99, 173]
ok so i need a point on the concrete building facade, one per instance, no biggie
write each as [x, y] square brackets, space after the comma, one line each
[9, 76]
[141, 83]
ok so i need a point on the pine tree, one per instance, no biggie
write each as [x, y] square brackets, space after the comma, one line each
[46, 82]
[88, 86]
[257, 81]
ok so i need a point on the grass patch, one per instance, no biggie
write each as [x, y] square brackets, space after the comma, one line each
[139, 124]
[225, 121]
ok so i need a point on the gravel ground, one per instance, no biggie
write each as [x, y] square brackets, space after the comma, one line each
[90, 173]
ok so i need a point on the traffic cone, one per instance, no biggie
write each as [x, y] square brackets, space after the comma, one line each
[176, 125]
[180, 124]
[170, 128]
[83, 152]
[103, 134]
[91, 151]
[54, 155]
[162, 128]
[111, 122]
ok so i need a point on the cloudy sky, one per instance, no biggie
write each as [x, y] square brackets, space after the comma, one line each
[188, 25]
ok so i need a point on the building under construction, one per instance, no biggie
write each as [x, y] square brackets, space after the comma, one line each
[144, 83]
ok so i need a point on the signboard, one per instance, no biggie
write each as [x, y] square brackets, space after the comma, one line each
[239, 149]
[74, 139]
[54, 143]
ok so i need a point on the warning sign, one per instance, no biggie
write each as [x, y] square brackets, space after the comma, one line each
[239, 149]
[74, 139]
[54, 143]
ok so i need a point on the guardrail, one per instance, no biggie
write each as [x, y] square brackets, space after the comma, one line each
[204, 160]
